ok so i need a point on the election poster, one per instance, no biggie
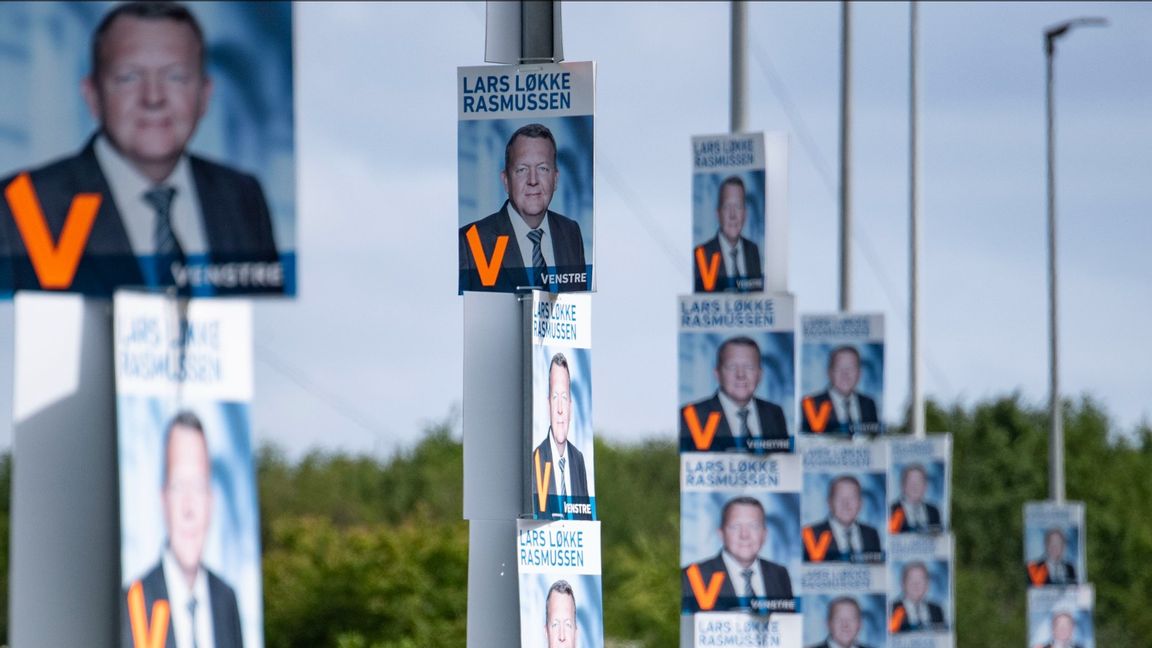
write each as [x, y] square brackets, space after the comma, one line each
[739, 532]
[1059, 617]
[560, 587]
[920, 592]
[844, 605]
[559, 446]
[842, 374]
[1054, 543]
[844, 506]
[739, 630]
[739, 213]
[525, 154]
[148, 145]
[737, 374]
[920, 484]
[189, 520]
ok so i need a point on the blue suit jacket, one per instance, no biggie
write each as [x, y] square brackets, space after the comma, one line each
[226, 628]
[567, 244]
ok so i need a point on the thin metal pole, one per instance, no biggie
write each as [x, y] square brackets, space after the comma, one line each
[914, 232]
[1056, 420]
[845, 156]
[738, 106]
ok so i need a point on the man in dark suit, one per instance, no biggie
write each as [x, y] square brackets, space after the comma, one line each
[746, 576]
[911, 612]
[556, 459]
[1063, 631]
[742, 421]
[840, 408]
[203, 608]
[842, 537]
[737, 258]
[540, 247]
[910, 513]
[164, 217]
[1052, 569]
[844, 623]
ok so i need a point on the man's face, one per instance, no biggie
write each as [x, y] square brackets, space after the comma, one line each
[1062, 628]
[845, 502]
[744, 532]
[739, 372]
[915, 584]
[844, 372]
[731, 212]
[561, 621]
[1054, 546]
[150, 92]
[187, 496]
[530, 179]
[914, 486]
[844, 624]
[559, 403]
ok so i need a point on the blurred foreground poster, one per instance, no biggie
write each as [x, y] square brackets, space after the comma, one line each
[189, 521]
[147, 144]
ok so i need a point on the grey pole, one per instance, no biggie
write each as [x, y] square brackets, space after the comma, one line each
[845, 156]
[914, 232]
[1056, 418]
[738, 107]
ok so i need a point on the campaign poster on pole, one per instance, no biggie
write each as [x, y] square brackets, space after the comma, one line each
[739, 212]
[560, 585]
[920, 484]
[737, 380]
[1061, 617]
[739, 532]
[844, 506]
[164, 157]
[842, 374]
[1054, 543]
[189, 520]
[525, 157]
[559, 449]
[921, 590]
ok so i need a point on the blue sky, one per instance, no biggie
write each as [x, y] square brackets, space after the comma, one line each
[371, 350]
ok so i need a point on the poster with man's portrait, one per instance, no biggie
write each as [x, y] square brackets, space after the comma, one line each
[1054, 544]
[739, 213]
[1059, 617]
[842, 374]
[561, 600]
[559, 451]
[147, 145]
[920, 591]
[525, 154]
[920, 484]
[189, 517]
[737, 375]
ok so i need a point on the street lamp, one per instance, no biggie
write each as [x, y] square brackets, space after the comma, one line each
[1056, 422]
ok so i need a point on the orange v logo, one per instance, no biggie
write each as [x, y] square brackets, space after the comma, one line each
[701, 437]
[488, 269]
[709, 269]
[542, 480]
[55, 263]
[817, 420]
[143, 635]
[817, 549]
[705, 595]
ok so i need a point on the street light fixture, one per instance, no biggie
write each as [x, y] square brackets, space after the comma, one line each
[1056, 422]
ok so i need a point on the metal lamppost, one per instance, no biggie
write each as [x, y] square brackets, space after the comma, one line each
[1056, 422]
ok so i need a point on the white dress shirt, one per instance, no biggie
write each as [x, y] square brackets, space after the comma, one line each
[557, 474]
[178, 596]
[521, 228]
[732, 415]
[847, 537]
[128, 187]
[726, 249]
[736, 575]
